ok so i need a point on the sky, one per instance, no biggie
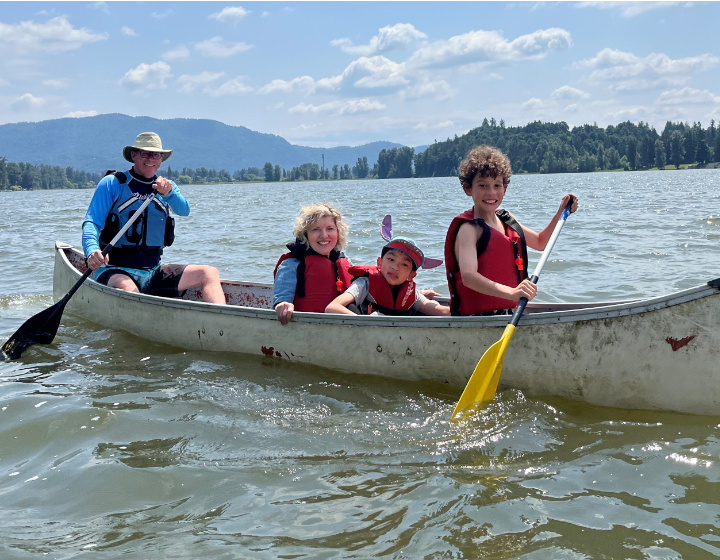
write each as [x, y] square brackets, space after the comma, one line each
[327, 74]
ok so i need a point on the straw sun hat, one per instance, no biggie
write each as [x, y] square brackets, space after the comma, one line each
[148, 142]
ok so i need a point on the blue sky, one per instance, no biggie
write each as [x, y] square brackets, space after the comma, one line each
[346, 73]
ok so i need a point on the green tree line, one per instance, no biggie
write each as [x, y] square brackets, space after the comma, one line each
[555, 148]
[25, 176]
[534, 148]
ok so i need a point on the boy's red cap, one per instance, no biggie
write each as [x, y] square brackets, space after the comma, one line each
[407, 246]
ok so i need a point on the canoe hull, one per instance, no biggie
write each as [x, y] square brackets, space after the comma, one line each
[660, 353]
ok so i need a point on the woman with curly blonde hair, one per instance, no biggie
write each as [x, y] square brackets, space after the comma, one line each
[315, 270]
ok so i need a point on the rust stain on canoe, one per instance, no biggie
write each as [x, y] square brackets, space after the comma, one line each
[270, 351]
[676, 344]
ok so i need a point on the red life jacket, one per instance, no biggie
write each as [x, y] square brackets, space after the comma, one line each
[380, 293]
[320, 279]
[501, 258]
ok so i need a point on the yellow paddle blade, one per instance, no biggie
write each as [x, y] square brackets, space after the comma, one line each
[483, 383]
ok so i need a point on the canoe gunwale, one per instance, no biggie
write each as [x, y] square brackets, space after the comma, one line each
[593, 311]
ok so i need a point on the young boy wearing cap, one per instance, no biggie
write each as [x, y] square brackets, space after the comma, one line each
[388, 288]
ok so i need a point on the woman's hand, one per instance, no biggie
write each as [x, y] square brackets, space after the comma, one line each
[284, 311]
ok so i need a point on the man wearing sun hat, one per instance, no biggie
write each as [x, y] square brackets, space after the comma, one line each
[133, 264]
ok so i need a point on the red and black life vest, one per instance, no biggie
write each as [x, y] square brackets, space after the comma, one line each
[382, 297]
[501, 258]
[320, 279]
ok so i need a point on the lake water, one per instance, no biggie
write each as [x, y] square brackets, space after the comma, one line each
[114, 447]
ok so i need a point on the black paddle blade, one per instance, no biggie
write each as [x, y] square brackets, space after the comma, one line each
[38, 329]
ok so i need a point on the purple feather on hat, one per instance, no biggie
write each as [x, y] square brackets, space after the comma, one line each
[386, 233]
[386, 228]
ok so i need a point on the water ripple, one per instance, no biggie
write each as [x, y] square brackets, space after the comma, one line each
[112, 446]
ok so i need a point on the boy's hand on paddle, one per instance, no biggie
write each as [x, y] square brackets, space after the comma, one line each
[525, 289]
[564, 203]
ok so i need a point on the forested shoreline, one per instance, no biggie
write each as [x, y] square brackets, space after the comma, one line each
[555, 148]
[25, 176]
[534, 148]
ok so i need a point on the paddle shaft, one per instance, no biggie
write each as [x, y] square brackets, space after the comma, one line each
[112, 243]
[42, 327]
[541, 263]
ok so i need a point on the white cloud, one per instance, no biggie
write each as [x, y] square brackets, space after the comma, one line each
[343, 107]
[59, 83]
[613, 64]
[81, 114]
[630, 9]
[231, 14]
[687, 96]
[388, 38]
[533, 103]
[637, 113]
[176, 53]
[162, 15]
[378, 73]
[303, 83]
[189, 83]
[627, 71]
[218, 48]
[490, 47]
[569, 92]
[128, 32]
[371, 73]
[435, 89]
[644, 84]
[436, 126]
[345, 44]
[236, 86]
[56, 35]
[557, 101]
[102, 6]
[27, 102]
[147, 76]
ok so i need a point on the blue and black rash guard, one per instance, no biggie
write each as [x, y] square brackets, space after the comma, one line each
[113, 203]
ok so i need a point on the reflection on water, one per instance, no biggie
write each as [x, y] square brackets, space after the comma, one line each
[113, 447]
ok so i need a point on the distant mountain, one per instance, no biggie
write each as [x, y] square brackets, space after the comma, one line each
[95, 144]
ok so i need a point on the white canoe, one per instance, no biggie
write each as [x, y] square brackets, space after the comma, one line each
[657, 353]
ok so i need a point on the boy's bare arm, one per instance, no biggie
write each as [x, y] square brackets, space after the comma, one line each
[340, 303]
[430, 293]
[431, 307]
[465, 248]
[539, 241]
